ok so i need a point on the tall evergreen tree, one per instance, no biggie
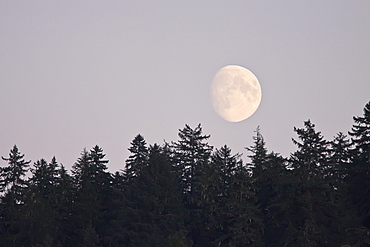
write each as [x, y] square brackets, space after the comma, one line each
[155, 207]
[93, 182]
[339, 160]
[13, 184]
[245, 222]
[268, 170]
[226, 162]
[64, 196]
[259, 153]
[138, 158]
[359, 174]
[192, 152]
[41, 222]
[191, 157]
[237, 220]
[13, 176]
[313, 223]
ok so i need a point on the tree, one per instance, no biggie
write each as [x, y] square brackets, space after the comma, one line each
[339, 161]
[361, 135]
[13, 176]
[191, 156]
[245, 222]
[92, 195]
[236, 220]
[155, 206]
[359, 175]
[268, 174]
[13, 184]
[314, 213]
[259, 153]
[41, 225]
[226, 162]
[138, 158]
[64, 199]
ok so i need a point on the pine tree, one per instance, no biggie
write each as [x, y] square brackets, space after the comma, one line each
[361, 135]
[155, 208]
[191, 155]
[268, 171]
[92, 193]
[339, 160]
[273, 188]
[359, 176]
[64, 196]
[313, 222]
[13, 176]
[138, 158]
[244, 224]
[259, 153]
[235, 218]
[41, 224]
[13, 184]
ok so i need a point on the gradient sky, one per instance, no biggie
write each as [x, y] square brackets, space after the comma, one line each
[74, 74]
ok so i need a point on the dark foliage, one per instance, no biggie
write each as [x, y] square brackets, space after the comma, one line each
[189, 194]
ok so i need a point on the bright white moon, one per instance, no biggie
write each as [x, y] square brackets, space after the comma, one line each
[236, 93]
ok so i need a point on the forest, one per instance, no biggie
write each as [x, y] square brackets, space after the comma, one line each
[188, 193]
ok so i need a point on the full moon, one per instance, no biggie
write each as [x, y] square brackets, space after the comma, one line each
[236, 93]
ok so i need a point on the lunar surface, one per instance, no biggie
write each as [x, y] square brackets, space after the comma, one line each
[236, 93]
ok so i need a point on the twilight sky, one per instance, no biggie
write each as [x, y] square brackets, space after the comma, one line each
[78, 73]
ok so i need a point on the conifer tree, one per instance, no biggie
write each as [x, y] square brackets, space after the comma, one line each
[41, 223]
[339, 160]
[236, 219]
[268, 171]
[272, 191]
[359, 175]
[226, 162]
[258, 155]
[92, 183]
[244, 221]
[13, 184]
[313, 223]
[13, 176]
[155, 207]
[64, 196]
[138, 158]
[191, 156]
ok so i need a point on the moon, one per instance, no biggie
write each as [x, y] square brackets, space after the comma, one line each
[236, 93]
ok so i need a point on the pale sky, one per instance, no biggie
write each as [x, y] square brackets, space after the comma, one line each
[74, 74]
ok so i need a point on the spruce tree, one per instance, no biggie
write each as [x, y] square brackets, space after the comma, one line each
[339, 161]
[41, 222]
[92, 192]
[13, 176]
[155, 206]
[64, 196]
[191, 155]
[138, 158]
[191, 152]
[359, 175]
[268, 171]
[315, 214]
[13, 185]
[245, 225]
[238, 218]
[258, 155]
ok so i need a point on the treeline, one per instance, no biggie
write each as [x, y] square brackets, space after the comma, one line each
[186, 193]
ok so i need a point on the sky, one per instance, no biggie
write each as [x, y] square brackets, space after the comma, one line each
[75, 74]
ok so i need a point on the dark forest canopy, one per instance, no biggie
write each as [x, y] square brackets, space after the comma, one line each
[188, 193]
